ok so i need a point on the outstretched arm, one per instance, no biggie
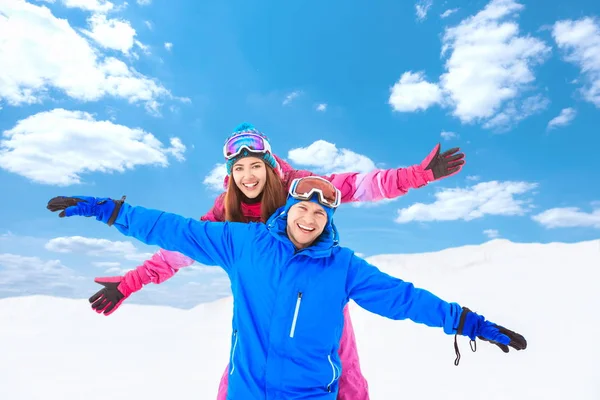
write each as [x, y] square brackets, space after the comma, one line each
[211, 243]
[116, 289]
[382, 184]
[391, 297]
[394, 298]
[162, 266]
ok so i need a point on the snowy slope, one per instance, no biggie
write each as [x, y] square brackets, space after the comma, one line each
[53, 348]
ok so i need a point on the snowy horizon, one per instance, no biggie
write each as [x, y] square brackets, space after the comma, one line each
[58, 348]
[183, 291]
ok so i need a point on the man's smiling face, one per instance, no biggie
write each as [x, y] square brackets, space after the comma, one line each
[305, 222]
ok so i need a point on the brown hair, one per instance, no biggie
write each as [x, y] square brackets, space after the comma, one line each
[273, 196]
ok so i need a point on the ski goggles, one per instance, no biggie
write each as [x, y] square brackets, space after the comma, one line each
[247, 140]
[327, 194]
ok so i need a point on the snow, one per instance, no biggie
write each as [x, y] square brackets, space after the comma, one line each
[54, 348]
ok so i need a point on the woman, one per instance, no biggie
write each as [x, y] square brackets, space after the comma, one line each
[260, 184]
[288, 313]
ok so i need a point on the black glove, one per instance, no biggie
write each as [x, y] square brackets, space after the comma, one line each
[517, 341]
[475, 326]
[109, 298]
[445, 164]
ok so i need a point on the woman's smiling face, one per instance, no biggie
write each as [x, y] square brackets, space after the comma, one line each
[250, 176]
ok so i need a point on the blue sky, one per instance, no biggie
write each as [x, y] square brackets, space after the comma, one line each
[110, 98]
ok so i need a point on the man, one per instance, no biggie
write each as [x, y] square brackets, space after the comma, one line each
[290, 281]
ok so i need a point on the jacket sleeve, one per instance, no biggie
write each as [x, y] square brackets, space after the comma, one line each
[211, 243]
[375, 185]
[164, 264]
[393, 298]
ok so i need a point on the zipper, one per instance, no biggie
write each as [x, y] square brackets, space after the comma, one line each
[298, 301]
[334, 371]
[235, 333]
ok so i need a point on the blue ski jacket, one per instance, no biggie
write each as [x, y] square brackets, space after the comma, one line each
[287, 303]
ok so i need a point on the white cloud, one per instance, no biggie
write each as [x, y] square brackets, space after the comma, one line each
[168, 46]
[177, 149]
[563, 119]
[422, 8]
[107, 264]
[290, 97]
[473, 178]
[145, 49]
[485, 198]
[327, 158]
[448, 135]
[448, 13]
[113, 34]
[488, 70]
[491, 233]
[322, 107]
[116, 271]
[56, 147]
[490, 63]
[29, 263]
[40, 52]
[148, 25]
[214, 180]
[373, 204]
[516, 111]
[144, 2]
[580, 40]
[96, 247]
[99, 6]
[21, 275]
[412, 93]
[569, 217]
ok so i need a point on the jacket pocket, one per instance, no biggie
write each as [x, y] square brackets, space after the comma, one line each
[296, 312]
[335, 374]
[232, 361]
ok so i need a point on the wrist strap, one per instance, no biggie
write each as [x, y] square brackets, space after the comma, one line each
[459, 330]
[115, 213]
